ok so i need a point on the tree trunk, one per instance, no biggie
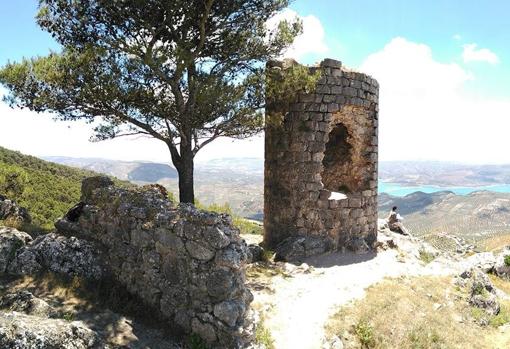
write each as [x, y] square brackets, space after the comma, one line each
[185, 169]
[186, 187]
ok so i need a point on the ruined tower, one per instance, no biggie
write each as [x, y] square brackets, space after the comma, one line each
[321, 163]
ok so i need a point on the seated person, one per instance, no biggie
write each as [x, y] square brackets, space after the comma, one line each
[395, 222]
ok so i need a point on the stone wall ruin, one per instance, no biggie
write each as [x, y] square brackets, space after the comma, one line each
[320, 186]
[185, 264]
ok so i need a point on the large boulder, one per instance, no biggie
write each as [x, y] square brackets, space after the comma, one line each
[482, 293]
[484, 261]
[502, 264]
[21, 331]
[26, 302]
[64, 255]
[9, 210]
[88, 185]
[295, 249]
[11, 240]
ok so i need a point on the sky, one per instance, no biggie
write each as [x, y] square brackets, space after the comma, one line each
[443, 67]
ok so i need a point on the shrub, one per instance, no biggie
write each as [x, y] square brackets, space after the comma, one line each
[195, 342]
[426, 257]
[507, 260]
[263, 336]
[245, 226]
[365, 333]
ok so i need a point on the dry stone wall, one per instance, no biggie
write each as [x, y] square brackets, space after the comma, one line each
[186, 264]
[320, 185]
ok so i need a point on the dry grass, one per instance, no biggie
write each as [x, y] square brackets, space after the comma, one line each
[502, 284]
[424, 312]
[495, 243]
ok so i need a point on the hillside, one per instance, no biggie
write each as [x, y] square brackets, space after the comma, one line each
[137, 171]
[48, 190]
[477, 217]
[236, 181]
[443, 174]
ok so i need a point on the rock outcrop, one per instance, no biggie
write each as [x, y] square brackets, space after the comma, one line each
[11, 240]
[26, 302]
[64, 255]
[9, 210]
[187, 264]
[21, 331]
[502, 264]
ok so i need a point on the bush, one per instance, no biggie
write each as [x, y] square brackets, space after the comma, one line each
[263, 336]
[426, 257]
[507, 260]
[365, 333]
[195, 342]
[244, 225]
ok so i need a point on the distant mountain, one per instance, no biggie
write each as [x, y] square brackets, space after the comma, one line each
[477, 216]
[244, 165]
[240, 183]
[236, 181]
[136, 171]
[445, 174]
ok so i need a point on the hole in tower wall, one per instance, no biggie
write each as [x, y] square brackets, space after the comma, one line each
[337, 160]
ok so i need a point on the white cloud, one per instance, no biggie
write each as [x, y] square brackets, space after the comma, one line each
[472, 54]
[457, 37]
[425, 113]
[312, 40]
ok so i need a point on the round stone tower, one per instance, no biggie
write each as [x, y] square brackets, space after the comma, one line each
[321, 163]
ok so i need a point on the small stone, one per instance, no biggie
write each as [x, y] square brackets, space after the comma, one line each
[90, 184]
[203, 330]
[228, 312]
[199, 251]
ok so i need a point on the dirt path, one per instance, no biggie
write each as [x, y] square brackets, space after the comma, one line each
[296, 308]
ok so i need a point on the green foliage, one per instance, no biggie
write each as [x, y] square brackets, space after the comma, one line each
[195, 342]
[69, 316]
[171, 196]
[12, 181]
[365, 333]
[244, 225]
[267, 255]
[503, 316]
[426, 257]
[507, 260]
[49, 190]
[283, 87]
[479, 289]
[263, 336]
[182, 72]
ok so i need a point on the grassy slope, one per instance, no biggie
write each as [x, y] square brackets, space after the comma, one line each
[50, 189]
[418, 312]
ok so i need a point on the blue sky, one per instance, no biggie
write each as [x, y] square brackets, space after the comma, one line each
[355, 29]
[443, 66]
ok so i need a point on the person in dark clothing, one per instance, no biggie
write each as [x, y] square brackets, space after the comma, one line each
[395, 222]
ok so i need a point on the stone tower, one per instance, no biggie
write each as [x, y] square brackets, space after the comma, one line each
[321, 164]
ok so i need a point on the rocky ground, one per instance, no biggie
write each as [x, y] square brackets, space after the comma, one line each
[295, 302]
[46, 302]
[56, 307]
